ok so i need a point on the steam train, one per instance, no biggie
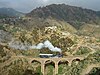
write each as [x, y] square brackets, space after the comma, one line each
[50, 55]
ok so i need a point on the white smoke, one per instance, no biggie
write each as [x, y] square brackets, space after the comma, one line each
[39, 46]
[46, 44]
[25, 46]
[18, 45]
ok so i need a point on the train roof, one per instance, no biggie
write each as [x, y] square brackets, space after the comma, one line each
[45, 54]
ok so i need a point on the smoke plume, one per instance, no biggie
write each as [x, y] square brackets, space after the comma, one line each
[21, 46]
[46, 44]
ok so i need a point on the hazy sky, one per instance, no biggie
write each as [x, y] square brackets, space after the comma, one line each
[28, 5]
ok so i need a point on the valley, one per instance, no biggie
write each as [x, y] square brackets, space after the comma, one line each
[69, 44]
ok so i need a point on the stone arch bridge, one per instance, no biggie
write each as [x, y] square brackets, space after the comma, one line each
[56, 61]
[44, 61]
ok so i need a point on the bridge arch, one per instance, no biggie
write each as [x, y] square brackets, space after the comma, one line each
[63, 62]
[32, 61]
[49, 65]
[49, 61]
[76, 61]
[36, 66]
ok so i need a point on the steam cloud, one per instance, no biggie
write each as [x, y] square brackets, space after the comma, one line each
[46, 44]
[18, 45]
[21, 46]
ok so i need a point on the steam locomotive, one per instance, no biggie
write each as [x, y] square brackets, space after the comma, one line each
[50, 55]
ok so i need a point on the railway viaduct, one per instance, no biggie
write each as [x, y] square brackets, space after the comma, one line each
[56, 61]
[44, 61]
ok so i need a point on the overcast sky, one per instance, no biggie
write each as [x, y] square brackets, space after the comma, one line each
[28, 5]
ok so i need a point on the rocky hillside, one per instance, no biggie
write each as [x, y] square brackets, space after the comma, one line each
[18, 45]
[76, 16]
[66, 18]
[56, 29]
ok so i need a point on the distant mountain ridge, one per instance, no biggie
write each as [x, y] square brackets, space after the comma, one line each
[71, 14]
[9, 12]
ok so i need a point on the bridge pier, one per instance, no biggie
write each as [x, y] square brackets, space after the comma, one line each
[43, 68]
[70, 63]
[56, 68]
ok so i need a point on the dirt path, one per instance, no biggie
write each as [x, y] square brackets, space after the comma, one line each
[89, 68]
[78, 45]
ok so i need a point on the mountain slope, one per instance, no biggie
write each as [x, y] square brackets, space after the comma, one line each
[9, 12]
[76, 16]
